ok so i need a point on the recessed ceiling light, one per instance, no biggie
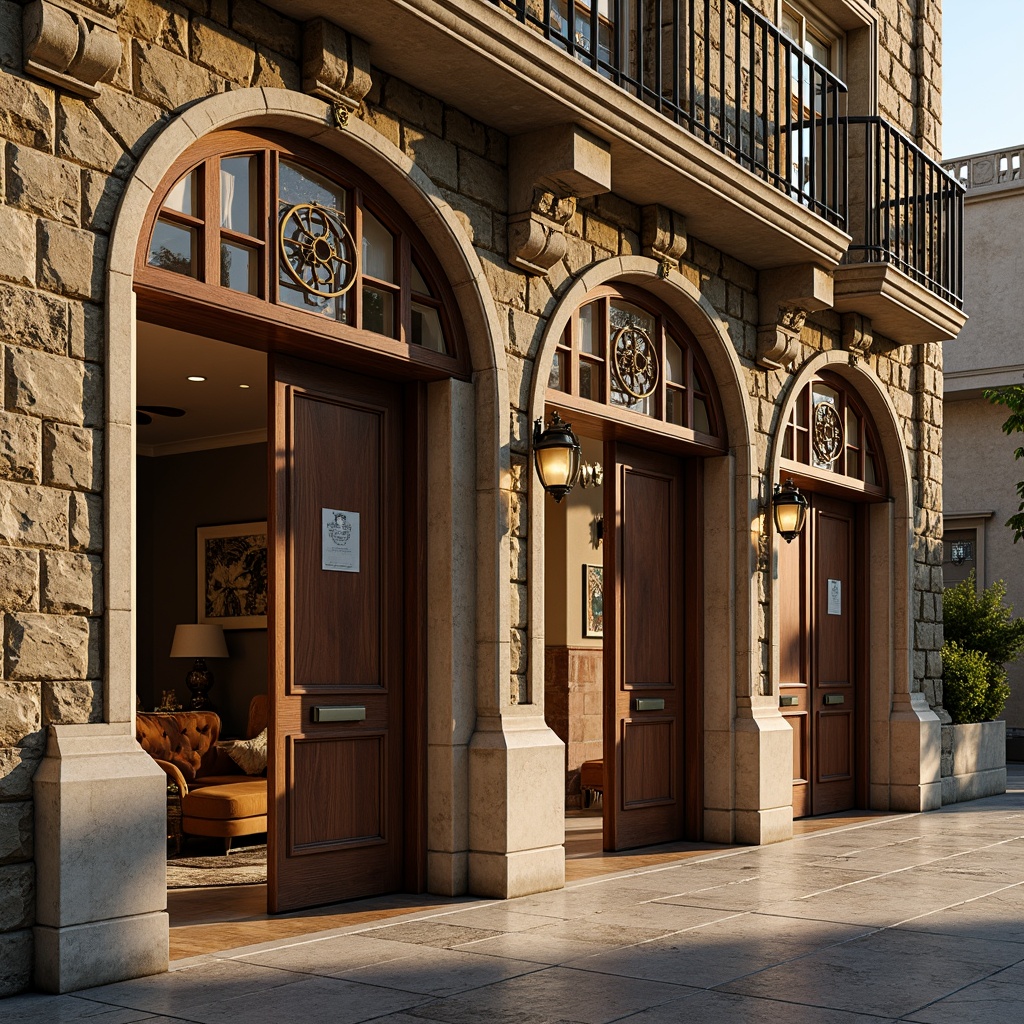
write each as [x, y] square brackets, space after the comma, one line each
[197, 378]
[243, 385]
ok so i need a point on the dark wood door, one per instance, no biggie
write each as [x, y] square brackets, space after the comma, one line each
[336, 636]
[819, 652]
[643, 649]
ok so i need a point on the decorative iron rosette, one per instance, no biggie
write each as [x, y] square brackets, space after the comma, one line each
[318, 250]
[635, 361]
[827, 438]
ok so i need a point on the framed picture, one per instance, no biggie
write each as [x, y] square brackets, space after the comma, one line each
[231, 571]
[593, 600]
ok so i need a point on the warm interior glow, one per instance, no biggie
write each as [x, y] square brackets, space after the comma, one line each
[556, 466]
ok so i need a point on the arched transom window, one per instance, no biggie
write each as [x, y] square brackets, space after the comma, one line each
[256, 221]
[623, 352]
[830, 432]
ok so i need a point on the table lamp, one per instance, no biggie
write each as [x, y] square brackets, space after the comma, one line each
[200, 642]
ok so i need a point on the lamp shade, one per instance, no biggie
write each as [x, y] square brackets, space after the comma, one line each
[789, 510]
[198, 641]
[556, 454]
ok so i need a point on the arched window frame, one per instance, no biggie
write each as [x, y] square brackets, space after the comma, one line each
[851, 470]
[606, 417]
[200, 303]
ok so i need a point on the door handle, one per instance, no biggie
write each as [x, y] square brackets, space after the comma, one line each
[649, 704]
[353, 713]
[834, 698]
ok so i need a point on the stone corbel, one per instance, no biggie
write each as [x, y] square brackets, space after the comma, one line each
[548, 171]
[71, 44]
[786, 295]
[335, 66]
[663, 237]
[857, 334]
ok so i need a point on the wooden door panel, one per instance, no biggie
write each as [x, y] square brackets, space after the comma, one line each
[835, 746]
[336, 638]
[648, 762]
[337, 792]
[644, 648]
[344, 652]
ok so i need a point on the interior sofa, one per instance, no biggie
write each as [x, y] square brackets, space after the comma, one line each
[217, 798]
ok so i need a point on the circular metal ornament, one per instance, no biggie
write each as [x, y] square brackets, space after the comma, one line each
[635, 361]
[827, 439]
[318, 250]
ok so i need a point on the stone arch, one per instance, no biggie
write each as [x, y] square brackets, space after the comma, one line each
[901, 722]
[730, 534]
[468, 481]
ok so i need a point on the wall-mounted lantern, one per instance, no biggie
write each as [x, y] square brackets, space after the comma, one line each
[559, 459]
[789, 510]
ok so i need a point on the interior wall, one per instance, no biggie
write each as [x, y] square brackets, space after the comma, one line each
[573, 663]
[177, 494]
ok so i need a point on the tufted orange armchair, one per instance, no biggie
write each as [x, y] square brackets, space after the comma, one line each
[217, 798]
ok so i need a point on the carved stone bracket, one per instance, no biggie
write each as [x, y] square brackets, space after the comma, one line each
[548, 171]
[663, 236]
[786, 295]
[335, 66]
[857, 334]
[71, 45]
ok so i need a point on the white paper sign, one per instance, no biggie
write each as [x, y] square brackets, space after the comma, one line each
[340, 540]
[835, 597]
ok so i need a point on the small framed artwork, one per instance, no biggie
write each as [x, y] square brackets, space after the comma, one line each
[593, 600]
[231, 571]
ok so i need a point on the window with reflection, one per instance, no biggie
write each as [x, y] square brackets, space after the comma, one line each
[622, 351]
[280, 226]
[830, 430]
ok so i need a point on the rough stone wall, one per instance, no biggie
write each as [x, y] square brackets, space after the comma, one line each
[910, 69]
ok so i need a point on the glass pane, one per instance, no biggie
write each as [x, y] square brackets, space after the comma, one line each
[853, 463]
[378, 311]
[426, 328]
[852, 427]
[588, 380]
[418, 284]
[238, 194]
[870, 472]
[633, 356]
[700, 416]
[378, 249]
[674, 365]
[239, 268]
[675, 406]
[172, 248]
[182, 196]
[297, 185]
[588, 340]
[787, 444]
[556, 379]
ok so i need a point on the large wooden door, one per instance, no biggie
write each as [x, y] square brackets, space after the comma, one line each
[643, 649]
[819, 623]
[336, 636]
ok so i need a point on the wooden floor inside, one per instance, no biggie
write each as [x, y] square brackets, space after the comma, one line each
[214, 919]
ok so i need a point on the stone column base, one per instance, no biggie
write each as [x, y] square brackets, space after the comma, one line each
[101, 859]
[764, 774]
[915, 745]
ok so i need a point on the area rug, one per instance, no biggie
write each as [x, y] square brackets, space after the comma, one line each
[245, 866]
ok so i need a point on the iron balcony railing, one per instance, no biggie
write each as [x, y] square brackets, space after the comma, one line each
[905, 210]
[724, 73]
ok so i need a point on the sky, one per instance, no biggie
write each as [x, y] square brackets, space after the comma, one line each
[982, 85]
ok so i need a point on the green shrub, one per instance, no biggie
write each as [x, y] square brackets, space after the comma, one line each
[973, 689]
[981, 636]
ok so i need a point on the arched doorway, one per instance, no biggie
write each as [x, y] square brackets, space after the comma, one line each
[259, 240]
[631, 377]
[831, 449]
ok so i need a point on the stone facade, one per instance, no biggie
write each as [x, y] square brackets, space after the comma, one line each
[66, 159]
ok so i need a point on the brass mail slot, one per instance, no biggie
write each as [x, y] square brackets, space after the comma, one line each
[649, 704]
[356, 713]
[788, 702]
[834, 698]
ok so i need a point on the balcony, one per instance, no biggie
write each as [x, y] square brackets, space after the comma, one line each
[705, 106]
[905, 266]
[984, 172]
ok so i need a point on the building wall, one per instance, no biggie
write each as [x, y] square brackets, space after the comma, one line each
[64, 165]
